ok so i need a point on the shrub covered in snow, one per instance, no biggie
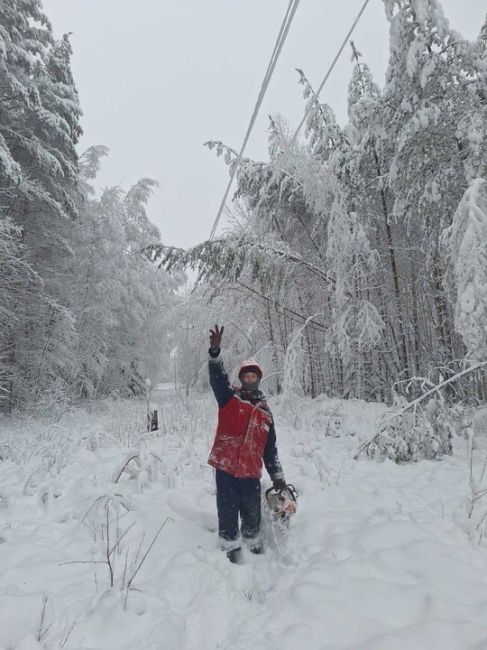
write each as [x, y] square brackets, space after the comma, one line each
[414, 435]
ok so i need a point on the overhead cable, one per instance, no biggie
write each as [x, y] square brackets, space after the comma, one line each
[330, 69]
[281, 38]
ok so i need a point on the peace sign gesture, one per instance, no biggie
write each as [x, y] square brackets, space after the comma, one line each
[216, 337]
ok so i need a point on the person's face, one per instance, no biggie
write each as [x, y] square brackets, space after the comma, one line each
[249, 377]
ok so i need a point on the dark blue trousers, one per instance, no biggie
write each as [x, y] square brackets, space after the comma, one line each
[236, 496]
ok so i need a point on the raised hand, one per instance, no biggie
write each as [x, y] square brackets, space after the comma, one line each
[216, 337]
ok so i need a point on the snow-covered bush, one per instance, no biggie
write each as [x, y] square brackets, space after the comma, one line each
[141, 465]
[414, 435]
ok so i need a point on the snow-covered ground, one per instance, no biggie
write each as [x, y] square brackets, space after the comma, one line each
[376, 558]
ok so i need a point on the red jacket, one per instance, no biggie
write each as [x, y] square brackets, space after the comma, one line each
[245, 435]
[241, 437]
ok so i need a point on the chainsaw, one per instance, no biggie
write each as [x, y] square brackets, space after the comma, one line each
[282, 502]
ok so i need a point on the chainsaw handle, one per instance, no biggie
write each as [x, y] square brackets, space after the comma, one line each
[290, 489]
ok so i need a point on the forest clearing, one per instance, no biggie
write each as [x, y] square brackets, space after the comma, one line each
[248, 413]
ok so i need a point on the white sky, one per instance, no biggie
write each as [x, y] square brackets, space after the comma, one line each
[157, 78]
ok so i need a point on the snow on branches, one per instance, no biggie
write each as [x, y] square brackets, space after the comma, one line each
[467, 242]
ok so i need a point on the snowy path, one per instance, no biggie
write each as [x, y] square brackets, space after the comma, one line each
[374, 559]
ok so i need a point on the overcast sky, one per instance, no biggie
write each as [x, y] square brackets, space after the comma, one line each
[157, 78]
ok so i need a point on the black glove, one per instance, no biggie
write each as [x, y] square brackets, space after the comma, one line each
[216, 338]
[279, 484]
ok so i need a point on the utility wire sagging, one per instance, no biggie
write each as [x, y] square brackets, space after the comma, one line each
[330, 69]
[281, 38]
[283, 32]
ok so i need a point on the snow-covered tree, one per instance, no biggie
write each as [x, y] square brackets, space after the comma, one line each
[467, 242]
[15, 279]
[81, 308]
[24, 37]
[99, 268]
[38, 178]
[424, 101]
[472, 130]
[334, 246]
[357, 326]
[40, 125]
[367, 167]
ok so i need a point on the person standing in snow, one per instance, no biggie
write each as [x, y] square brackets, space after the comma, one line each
[245, 438]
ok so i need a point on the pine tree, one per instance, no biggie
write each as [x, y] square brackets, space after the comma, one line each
[38, 177]
[34, 125]
[24, 36]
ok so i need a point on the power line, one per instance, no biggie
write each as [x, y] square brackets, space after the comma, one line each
[283, 31]
[281, 38]
[330, 69]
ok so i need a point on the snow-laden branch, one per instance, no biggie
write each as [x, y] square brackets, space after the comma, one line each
[412, 405]
[227, 258]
